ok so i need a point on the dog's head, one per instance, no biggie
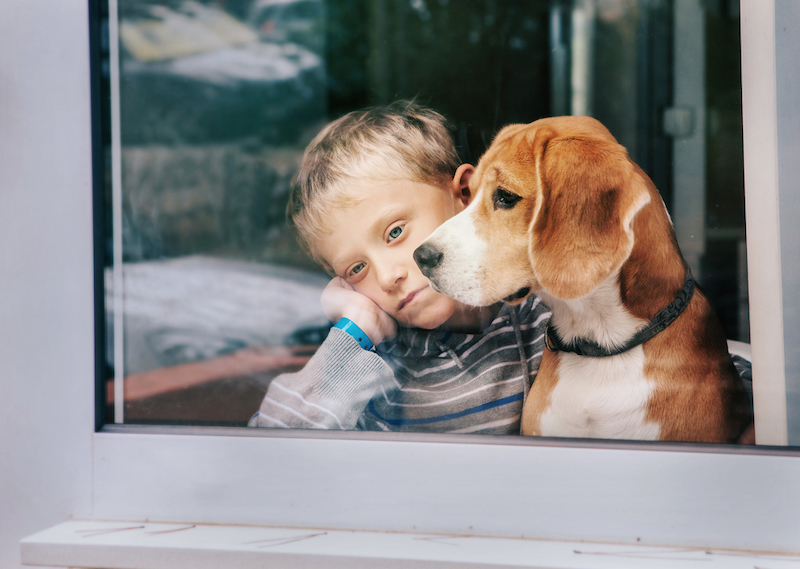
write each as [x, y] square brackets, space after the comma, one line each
[553, 208]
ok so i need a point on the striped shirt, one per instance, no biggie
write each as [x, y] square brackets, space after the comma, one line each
[461, 383]
[422, 380]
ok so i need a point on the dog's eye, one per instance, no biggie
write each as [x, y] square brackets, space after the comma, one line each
[505, 199]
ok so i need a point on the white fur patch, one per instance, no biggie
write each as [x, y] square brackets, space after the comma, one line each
[598, 316]
[599, 397]
[458, 275]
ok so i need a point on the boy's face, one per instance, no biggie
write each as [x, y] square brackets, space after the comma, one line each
[373, 242]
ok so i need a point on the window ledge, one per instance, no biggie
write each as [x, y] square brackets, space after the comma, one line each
[145, 545]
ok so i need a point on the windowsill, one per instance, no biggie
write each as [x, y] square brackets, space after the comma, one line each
[116, 544]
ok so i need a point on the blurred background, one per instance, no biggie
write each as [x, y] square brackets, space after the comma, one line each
[208, 296]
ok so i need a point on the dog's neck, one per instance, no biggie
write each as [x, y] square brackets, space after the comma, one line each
[599, 316]
[631, 297]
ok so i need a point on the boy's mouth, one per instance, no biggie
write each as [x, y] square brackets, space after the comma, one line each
[409, 298]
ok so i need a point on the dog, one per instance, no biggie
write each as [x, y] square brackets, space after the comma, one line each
[633, 347]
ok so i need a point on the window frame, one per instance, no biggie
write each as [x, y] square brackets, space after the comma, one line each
[675, 494]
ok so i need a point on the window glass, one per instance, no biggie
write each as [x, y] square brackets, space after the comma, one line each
[210, 105]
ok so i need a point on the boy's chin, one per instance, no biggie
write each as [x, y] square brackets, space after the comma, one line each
[426, 323]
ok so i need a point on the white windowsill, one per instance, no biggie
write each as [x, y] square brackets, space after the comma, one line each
[127, 544]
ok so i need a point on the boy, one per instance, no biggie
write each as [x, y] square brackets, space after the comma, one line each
[372, 186]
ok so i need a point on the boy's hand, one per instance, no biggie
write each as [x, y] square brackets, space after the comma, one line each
[340, 300]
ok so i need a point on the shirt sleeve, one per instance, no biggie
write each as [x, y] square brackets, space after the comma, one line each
[330, 392]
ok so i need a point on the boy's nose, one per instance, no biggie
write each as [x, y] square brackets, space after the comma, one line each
[427, 257]
[390, 276]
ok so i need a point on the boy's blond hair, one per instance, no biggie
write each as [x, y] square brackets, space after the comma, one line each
[401, 141]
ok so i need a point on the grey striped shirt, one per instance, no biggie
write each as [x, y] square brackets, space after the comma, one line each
[423, 380]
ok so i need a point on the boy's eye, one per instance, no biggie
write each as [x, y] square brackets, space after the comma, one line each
[357, 269]
[395, 232]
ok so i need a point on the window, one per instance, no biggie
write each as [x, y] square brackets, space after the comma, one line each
[209, 297]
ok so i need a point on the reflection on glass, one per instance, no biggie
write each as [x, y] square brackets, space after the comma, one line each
[219, 98]
[216, 105]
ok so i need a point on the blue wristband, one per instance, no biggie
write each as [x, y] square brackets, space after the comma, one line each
[347, 325]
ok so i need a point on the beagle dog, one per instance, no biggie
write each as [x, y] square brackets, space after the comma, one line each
[634, 350]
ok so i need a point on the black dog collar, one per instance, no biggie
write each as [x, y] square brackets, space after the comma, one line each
[660, 321]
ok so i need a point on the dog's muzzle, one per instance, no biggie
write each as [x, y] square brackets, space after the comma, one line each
[452, 266]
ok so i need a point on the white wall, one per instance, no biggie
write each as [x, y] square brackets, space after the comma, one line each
[46, 326]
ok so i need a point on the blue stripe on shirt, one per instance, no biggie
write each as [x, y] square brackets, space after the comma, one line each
[428, 420]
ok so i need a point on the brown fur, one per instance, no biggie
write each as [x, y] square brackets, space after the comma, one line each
[588, 212]
[538, 401]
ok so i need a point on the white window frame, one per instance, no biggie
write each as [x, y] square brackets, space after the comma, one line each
[661, 494]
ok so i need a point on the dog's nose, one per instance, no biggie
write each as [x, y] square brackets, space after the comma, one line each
[427, 257]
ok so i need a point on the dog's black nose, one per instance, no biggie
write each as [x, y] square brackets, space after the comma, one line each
[427, 257]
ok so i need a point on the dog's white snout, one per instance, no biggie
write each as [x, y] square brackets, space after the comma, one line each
[451, 259]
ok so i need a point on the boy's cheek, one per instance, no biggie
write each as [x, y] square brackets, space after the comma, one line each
[374, 294]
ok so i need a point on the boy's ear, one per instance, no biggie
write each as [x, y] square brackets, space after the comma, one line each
[460, 184]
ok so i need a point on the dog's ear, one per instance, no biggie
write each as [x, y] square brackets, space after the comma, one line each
[583, 230]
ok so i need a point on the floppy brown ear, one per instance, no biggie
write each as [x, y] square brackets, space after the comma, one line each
[583, 231]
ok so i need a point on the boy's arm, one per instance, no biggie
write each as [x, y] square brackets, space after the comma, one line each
[330, 392]
[333, 389]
